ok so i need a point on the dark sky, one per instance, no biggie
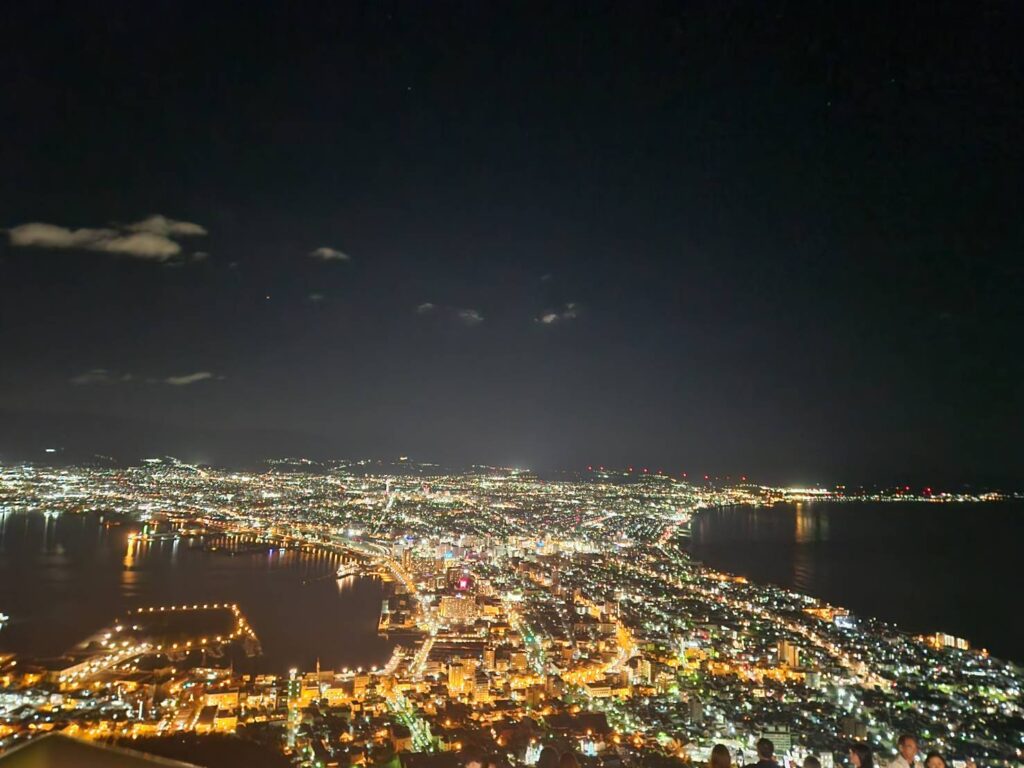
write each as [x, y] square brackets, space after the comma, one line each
[717, 237]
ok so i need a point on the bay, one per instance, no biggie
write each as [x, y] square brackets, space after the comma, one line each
[927, 567]
[62, 577]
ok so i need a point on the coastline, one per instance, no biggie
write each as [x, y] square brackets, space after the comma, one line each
[812, 549]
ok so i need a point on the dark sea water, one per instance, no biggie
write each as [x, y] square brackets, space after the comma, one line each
[958, 568]
[63, 577]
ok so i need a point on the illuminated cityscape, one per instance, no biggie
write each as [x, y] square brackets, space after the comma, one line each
[522, 609]
[511, 384]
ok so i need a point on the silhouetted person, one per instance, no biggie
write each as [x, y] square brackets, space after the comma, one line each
[568, 760]
[472, 757]
[720, 757]
[548, 758]
[860, 756]
[765, 755]
[934, 760]
[907, 747]
[811, 762]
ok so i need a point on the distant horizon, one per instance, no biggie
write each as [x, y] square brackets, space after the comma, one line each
[54, 456]
[672, 261]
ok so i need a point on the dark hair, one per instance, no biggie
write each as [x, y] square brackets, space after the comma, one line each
[720, 757]
[863, 753]
[935, 754]
[812, 762]
[568, 760]
[905, 737]
[548, 758]
[765, 748]
[472, 754]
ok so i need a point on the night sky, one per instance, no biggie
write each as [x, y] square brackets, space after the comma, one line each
[722, 237]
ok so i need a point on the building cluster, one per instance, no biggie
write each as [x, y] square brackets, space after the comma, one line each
[523, 610]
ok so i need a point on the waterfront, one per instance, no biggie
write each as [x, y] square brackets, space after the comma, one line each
[926, 567]
[64, 576]
[508, 583]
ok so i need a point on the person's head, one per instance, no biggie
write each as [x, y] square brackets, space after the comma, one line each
[765, 749]
[934, 760]
[907, 746]
[497, 761]
[548, 758]
[568, 760]
[860, 756]
[811, 762]
[472, 757]
[720, 757]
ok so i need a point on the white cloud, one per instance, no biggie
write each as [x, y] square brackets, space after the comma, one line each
[161, 225]
[40, 235]
[141, 245]
[188, 378]
[105, 376]
[568, 311]
[149, 239]
[95, 376]
[323, 253]
[316, 298]
[469, 316]
[466, 316]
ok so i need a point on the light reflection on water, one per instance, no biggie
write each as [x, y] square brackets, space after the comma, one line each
[808, 528]
[926, 567]
[62, 578]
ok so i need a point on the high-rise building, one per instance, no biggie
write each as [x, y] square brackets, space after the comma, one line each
[469, 667]
[641, 669]
[481, 686]
[788, 654]
[696, 709]
[294, 691]
[456, 681]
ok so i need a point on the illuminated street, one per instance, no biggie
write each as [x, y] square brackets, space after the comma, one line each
[510, 598]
